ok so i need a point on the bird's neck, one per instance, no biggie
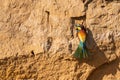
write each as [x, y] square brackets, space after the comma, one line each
[78, 31]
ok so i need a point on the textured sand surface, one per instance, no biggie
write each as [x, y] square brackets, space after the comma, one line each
[37, 39]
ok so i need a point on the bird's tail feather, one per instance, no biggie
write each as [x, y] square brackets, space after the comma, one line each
[81, 52]
[85, 52]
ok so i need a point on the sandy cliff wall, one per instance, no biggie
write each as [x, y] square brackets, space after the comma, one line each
[45, 28]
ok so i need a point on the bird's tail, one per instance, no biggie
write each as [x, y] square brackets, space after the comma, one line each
[81, 51]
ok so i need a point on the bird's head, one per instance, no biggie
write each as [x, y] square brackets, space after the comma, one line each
[79, 27]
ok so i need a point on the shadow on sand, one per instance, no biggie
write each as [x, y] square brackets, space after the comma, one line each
[98, 59]
[96, 56]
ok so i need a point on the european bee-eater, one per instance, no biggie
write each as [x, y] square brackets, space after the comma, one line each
[81, 51]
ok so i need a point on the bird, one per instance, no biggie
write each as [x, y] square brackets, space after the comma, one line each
[81, 51]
